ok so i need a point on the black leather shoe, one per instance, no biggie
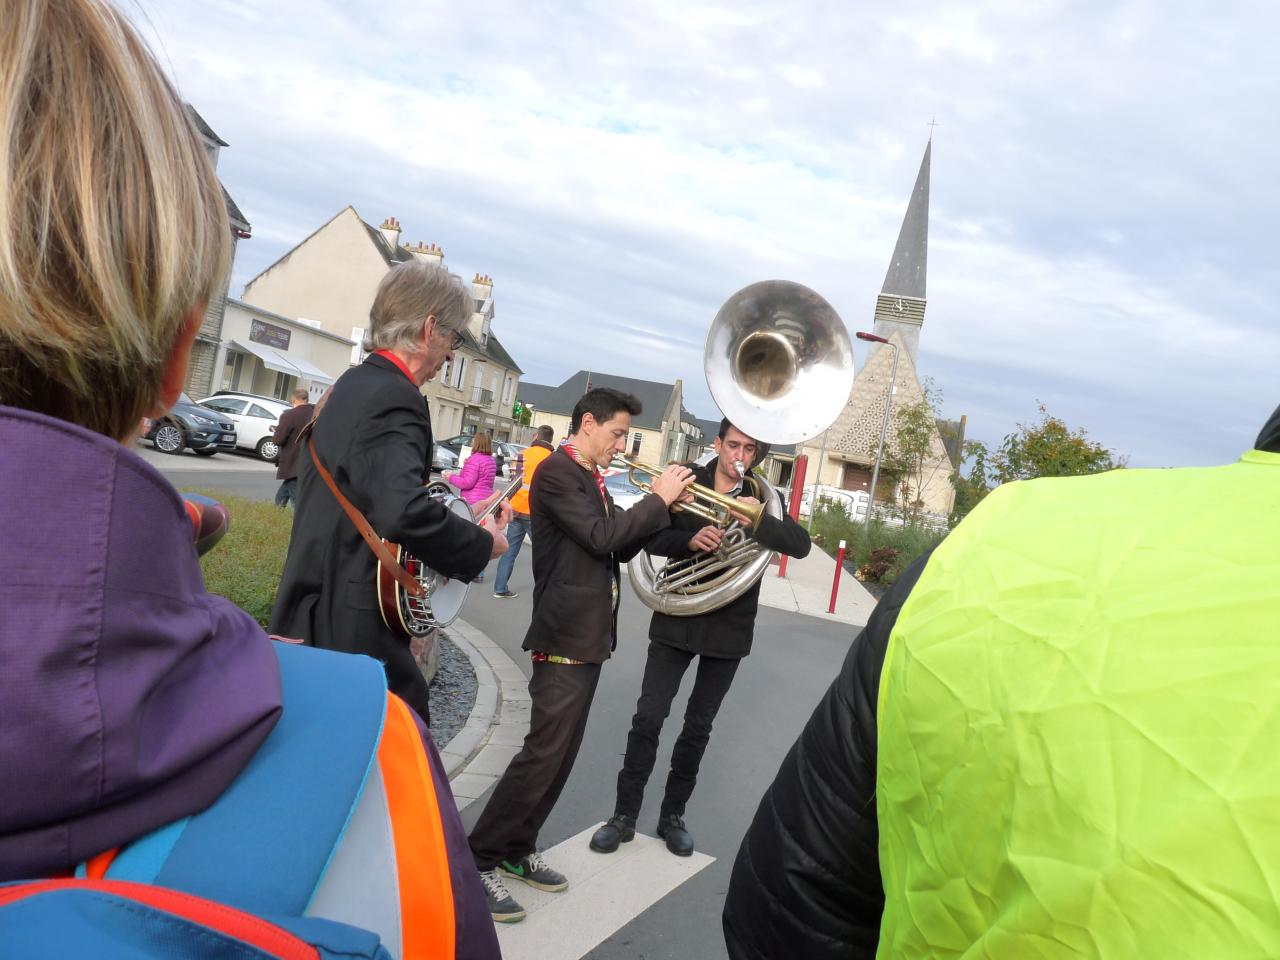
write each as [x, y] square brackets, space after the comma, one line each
[679, 840]
[618, 829]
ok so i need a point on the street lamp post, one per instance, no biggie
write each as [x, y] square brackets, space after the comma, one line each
[884, 423]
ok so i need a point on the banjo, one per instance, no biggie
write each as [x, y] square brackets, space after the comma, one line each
[439, 599]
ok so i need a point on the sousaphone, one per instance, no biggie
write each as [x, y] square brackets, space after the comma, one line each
[779, 364]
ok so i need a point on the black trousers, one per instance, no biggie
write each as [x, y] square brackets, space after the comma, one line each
[528, 790]
[662, 674]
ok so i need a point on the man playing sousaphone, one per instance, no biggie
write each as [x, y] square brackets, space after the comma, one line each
[373, 435]
[719, 638]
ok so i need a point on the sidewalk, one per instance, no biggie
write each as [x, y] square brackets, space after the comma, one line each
[807, 589]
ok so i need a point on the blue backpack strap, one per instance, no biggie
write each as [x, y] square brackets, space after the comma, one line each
[265, 843]
[108, 920]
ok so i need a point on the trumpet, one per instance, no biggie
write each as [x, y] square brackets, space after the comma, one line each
[718, 508]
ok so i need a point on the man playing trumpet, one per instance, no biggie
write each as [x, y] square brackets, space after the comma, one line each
[719, 638]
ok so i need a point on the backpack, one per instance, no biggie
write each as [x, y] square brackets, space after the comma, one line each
[232, 882]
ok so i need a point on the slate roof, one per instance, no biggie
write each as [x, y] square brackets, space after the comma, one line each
[237, 218]
[952, 433]
[653, 396]
[498, 353]
[398, 255]
[203, 127]
[536, 395]
[906, 274]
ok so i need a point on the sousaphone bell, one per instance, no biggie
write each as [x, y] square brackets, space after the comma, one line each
[779, 364]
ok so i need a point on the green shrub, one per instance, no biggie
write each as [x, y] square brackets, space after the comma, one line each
[245, 566]
[879, 550]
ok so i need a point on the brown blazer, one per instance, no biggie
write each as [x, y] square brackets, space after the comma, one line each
[286, 437]
[578, 550]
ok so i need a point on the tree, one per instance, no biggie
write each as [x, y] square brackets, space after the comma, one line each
[1050, 448]
[971, 489]
[910, 460]
[1046, 448]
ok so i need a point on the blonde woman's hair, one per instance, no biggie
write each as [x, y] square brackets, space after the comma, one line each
[112, 222]
[409, 293]
[481, 443]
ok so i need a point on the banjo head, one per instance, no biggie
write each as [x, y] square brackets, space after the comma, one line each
[445, 597]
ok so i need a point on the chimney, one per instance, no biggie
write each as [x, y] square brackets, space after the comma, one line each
[431, 254]
[482, 315]
[482, 287]
[391, 232]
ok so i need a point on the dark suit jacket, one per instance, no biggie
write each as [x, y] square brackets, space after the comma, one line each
[286, 437]
[727, 631]
[374, 436]
[578, 547]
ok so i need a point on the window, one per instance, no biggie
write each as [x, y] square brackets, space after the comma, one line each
[444, 375]
[462, 363]
[636, 440]
[284, 383]
[257, 411]
[231, 370]
[357, 351]
[506, 390]
[226, 405]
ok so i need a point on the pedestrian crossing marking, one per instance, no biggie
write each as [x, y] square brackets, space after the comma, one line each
[606, 892]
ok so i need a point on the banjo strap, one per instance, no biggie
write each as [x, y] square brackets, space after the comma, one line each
[376, 543]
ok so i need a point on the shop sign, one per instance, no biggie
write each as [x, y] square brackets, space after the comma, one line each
[262, 332]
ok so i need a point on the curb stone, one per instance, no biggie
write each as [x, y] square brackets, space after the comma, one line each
[478, 755]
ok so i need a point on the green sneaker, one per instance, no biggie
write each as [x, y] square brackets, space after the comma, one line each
[534, 871]
[502, 906]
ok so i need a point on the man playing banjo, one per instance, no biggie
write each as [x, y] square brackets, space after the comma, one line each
[373, 435]
[719, 638]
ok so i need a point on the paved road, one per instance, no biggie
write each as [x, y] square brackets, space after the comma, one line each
[241, 474]
[774, 692]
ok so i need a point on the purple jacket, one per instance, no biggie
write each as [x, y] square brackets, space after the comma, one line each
[475, 479]
[129, 697]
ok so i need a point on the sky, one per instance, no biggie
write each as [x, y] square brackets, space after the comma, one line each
[1102, 204]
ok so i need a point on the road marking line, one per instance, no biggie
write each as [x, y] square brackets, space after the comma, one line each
[606, 892]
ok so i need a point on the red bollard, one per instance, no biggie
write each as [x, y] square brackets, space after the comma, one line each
[793, 508]
[835, 584]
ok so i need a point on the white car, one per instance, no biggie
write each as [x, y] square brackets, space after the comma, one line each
[625, 494]
[255, 419]
[854, 502]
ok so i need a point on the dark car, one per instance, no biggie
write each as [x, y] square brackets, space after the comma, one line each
[189, 424]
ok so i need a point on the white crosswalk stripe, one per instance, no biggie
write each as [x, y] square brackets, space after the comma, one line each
[606, 892]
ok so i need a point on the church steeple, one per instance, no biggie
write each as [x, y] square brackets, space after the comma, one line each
[900, 306]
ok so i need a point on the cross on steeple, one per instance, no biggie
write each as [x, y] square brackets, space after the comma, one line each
[932, 123]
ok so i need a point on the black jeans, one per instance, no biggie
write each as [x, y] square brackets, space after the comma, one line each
[662, 674]
[528, 790]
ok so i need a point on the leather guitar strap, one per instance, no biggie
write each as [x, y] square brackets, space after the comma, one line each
[403, 577]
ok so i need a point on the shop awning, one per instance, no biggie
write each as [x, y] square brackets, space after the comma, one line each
[283, 362]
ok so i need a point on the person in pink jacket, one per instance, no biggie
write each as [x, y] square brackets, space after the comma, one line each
[475, 480]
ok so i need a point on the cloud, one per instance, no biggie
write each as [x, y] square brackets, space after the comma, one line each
[1099, 236]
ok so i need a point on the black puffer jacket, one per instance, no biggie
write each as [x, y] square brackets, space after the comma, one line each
[728, 631]
[806, 883]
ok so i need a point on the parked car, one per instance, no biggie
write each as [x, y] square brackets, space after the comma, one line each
[255, 418]
[625, 494]
[510, 457]
[190, 424]
[854, 502]
[442, 459]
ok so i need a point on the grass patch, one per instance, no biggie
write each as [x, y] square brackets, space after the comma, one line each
[879, 551]
[246, 564]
